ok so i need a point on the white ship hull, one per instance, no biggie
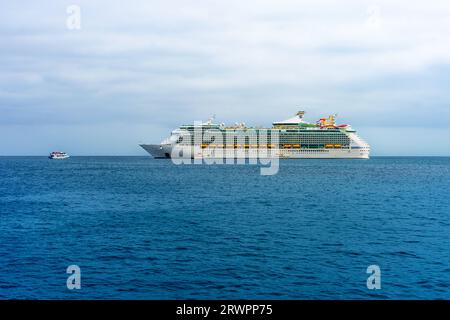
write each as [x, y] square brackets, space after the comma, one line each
[166, 151]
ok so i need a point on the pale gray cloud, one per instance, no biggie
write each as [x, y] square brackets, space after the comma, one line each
[162, 63]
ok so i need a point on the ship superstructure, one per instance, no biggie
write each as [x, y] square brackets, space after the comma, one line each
[291, 138]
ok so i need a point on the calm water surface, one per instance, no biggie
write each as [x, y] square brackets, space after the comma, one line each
[141, 228]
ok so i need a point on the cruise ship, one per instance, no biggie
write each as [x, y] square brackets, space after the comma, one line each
[291, 138]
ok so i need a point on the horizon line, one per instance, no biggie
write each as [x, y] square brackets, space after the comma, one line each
[148, 156]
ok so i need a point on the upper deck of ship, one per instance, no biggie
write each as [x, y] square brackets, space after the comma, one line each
[294, 124]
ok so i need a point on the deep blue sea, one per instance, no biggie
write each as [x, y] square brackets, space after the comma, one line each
[141, 228]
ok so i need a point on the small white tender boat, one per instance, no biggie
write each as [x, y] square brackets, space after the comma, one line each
[57, 155]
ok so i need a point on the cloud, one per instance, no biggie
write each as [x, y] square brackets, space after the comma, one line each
[172, 62]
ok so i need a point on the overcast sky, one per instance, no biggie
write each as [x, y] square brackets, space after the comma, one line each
[138, 69]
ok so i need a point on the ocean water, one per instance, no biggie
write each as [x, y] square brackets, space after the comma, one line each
[141, 228]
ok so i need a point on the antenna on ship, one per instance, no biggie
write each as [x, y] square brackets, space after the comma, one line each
[211, 119]
[332, 119]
